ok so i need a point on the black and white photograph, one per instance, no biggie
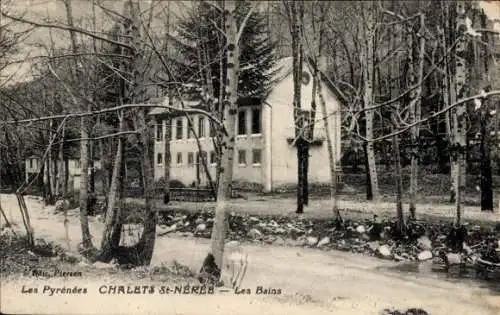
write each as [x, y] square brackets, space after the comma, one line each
[250, 157]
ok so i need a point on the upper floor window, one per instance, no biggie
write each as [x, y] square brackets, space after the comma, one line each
[212, 130]
[256, 121]
[201, 127]
[159, 158]
[159, 132]
[190, 158]
[31, 163]
[179, 158]
[242, 123]
[178, 129]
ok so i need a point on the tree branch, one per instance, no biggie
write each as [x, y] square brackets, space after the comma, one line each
[66, 28]
[116, 108]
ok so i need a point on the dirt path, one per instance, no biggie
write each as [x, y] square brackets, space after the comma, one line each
[311, 281]
[320, 208]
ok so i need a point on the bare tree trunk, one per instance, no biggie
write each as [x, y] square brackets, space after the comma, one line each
[486, 176]
[168, 159]
[459, 118]
[84, 149]
[367, 50]
[61, 188]
[53, 167]
[212, 265]
[47, 188]
[399, 185]
[415, 112]
[112, 226]
[296, 9]
[331, 154]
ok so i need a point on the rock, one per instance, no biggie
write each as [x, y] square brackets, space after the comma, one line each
[101, 265]
[373, 245]
[62, 205]
[201, 227]
[467, 249]
[254, 233]
[273, 224]
[83, 263]
[70, 257]
[311, 240]
[399, 258]
[198, 221]
[269, 239]
[164, 230]
[453, 259]
[279, 241]
[280, 230]
[424, 255]
[253, 219]
[360, 229]
[384, 251]
[474, 258]
[424, 243]
[301, 241]
[476, 228]
[186, 224]
[324, 241]
[441, 238]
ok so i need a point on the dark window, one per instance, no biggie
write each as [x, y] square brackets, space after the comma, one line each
[213, 157]
[31, 163]
[242, 123]
[201, 127]
[178, 131]
[190, 158]
[256, 121]
[242, 157]
[78, 163]
[159, 132]
[179, 158]
[212, 130]
[190, 129]
[203, 155]
[256, 156]
[159, 158]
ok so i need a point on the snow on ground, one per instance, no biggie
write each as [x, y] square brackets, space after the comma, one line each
[312, 281]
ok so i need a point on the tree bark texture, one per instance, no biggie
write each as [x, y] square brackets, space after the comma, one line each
[367, 31]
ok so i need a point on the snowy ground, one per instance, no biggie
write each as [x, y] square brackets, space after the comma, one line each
[311, 281]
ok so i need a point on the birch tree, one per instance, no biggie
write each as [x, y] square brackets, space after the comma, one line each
[212, 265]
[366, 29]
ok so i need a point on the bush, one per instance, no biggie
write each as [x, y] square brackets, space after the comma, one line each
[174, 183]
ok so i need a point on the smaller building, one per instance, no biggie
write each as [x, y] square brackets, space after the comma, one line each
[33, 165]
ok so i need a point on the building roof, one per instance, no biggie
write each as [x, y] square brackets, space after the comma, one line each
[282, 69]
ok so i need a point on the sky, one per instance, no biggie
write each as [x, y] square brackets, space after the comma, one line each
[54, 10]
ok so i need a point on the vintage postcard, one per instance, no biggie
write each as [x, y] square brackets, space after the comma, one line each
[249, 157]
